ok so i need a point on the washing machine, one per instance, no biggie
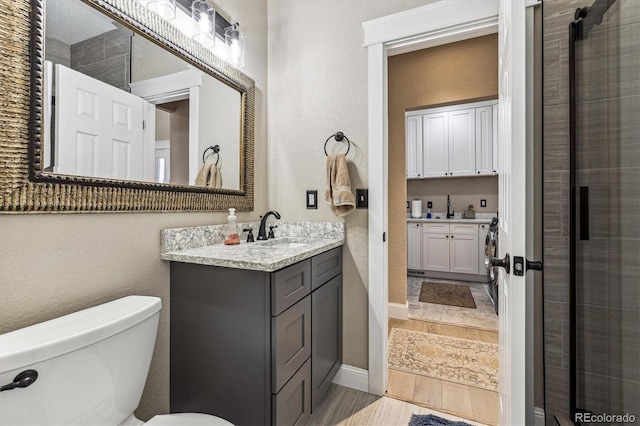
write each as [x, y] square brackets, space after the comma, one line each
[491, 250]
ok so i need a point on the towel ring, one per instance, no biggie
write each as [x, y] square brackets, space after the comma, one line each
[339, 136]
[215, 149]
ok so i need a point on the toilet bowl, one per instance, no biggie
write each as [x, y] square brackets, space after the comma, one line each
[91, 367]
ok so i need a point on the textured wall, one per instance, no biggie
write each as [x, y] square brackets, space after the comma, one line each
[54, 264]
[317, 86]
[450, 73]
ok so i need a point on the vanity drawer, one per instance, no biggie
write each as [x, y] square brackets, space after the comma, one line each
[292, 405]
[289, 285]
[290, 342]
[325, 266]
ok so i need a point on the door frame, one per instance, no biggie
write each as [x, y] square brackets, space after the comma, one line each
[177, 87]
[432, 25]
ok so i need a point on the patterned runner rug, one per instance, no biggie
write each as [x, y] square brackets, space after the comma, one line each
[448, 358]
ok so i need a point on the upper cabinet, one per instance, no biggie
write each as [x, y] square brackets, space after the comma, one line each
[414, 146]
[459, 140]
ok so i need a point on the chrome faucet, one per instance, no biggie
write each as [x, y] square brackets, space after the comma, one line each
[262, 232]
[449, 215]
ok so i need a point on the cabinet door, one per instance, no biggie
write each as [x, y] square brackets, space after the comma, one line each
[463, 252]
[483, 230]
[462, 142]
[435, 154]
[484, 140]
[326, 340]
[495, 140]
[292, 405]
[414, 246]
[290, 342]
[413, 130]
[435, 252]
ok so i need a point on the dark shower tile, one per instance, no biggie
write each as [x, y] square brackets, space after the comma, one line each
[87, 52]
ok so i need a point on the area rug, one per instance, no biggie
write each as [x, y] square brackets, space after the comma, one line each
[431, 420]
[447, 294]
[463, 361]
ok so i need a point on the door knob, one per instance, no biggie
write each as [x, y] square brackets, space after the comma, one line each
[522, 265]
[502, 262]
[536, 266]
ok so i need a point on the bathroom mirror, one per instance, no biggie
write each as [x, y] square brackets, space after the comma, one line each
[125, 109]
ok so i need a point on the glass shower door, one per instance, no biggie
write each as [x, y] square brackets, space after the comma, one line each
[605, 210]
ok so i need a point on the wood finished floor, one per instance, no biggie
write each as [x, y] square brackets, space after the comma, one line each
[469, 402]
[346, 406]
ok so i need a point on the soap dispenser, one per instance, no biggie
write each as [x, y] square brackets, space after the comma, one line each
[231, 236]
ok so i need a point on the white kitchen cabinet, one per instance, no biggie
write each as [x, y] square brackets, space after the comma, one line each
[462, 142]
[450, 247]
[495, 139]
[413, 130]
[435, 151]
[435, 252]
[463, 249]
[457, 140]
[484, 140]
[483, 231]
[414, 246]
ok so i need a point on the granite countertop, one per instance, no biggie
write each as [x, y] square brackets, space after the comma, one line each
[297, 241]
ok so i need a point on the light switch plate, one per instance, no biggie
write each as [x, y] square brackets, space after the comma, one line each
[483, 203]
[362, 198]
[429, 204]
[312, 199]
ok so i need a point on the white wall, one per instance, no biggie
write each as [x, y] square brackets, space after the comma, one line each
[317, 86]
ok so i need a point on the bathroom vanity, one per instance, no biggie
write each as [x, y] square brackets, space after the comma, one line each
[256, 342]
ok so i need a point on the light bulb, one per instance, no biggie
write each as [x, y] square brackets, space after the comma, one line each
[234, 51]
[204, 25]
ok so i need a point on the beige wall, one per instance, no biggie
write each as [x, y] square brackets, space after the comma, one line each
[317, 86]
[54, 264]
[450, 73]
[463, 192]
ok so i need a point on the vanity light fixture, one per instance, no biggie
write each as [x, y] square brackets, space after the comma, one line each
[235, 39]
[165, 8]
[204, 17]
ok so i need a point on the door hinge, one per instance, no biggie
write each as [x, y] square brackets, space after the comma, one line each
[384, 237]
[144, 125]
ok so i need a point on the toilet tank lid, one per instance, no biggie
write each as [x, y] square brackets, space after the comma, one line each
[46, 340]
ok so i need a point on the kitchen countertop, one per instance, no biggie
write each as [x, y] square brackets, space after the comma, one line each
[433, 220]
[297, 241]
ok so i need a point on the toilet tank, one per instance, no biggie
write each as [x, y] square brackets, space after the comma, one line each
[92, 365]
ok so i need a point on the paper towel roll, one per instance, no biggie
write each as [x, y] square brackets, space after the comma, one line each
[416, 209]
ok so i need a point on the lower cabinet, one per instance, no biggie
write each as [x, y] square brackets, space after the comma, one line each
[255, 347]
[450, 247]
[414, 245]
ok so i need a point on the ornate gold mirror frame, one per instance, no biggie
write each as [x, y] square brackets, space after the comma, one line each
[25, 188]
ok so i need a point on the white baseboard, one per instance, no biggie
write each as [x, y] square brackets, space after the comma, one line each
[352, 377]
[399, 311]
[538, 416]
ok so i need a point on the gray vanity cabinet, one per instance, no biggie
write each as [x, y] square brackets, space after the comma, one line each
[255, 348]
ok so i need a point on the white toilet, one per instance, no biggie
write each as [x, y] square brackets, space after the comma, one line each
[91, 368]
